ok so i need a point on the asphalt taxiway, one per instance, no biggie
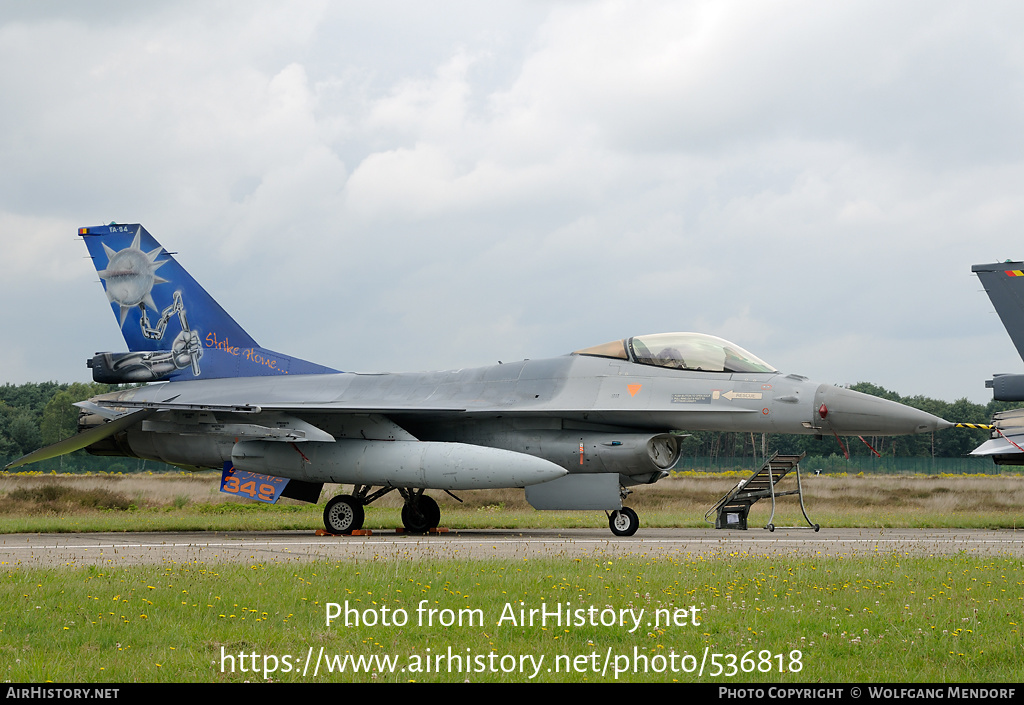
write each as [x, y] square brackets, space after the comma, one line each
[122, 549]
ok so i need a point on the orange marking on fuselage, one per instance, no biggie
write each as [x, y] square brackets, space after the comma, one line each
[633, 389]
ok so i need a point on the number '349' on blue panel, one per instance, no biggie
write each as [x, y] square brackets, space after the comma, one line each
[262, 488]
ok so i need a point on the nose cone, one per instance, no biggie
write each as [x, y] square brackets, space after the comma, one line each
[853, 413]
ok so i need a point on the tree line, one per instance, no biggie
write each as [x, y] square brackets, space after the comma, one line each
[37, 414]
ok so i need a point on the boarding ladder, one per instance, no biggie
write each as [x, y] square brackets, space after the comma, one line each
[732, 509]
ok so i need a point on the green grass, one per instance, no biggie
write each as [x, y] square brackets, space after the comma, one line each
[890, 618]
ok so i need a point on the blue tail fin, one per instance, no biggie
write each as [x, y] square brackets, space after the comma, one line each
[174, 328]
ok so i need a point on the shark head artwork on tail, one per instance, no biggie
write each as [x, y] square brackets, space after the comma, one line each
[576, 431]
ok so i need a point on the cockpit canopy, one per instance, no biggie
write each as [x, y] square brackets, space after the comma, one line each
[682, 351]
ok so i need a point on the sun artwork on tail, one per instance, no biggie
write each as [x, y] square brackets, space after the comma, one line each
[131, 275]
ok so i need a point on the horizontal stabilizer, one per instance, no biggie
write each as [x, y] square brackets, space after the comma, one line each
[1009, 445]
[1006, 447]
[86, 438]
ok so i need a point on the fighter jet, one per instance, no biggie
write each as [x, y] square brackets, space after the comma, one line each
[576, 431]
[1004, 284]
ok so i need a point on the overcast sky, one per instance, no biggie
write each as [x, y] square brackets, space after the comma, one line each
[406, 186]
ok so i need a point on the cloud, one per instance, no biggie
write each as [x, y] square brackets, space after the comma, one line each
[529, 179]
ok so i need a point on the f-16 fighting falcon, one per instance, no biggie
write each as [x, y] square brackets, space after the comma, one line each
[576, 431]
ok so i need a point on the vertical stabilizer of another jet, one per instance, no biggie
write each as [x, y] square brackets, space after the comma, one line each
[1004, 284]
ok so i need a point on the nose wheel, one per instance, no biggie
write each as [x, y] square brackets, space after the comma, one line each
[623, 522]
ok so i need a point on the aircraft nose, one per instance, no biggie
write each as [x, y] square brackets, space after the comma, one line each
[853, 413]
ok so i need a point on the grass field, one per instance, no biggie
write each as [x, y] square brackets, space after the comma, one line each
[884, 618]
[782, 619]
[143, 502]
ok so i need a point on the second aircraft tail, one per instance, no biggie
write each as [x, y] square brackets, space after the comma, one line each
[1004, 284]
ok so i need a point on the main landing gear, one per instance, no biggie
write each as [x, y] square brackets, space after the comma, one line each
[344, 513]
[420, 513]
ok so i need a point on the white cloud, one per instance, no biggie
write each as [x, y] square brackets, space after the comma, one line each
[516, 179]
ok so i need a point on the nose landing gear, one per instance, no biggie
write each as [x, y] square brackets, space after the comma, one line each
[623, 522]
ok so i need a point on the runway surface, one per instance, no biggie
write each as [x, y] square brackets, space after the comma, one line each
[122, 549]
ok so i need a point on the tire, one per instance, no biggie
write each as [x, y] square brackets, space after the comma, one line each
[421, 517]
[343, 515]
[624, 522]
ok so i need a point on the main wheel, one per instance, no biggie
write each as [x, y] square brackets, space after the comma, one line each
[624, 522]
[343, 515]
[422, 516]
